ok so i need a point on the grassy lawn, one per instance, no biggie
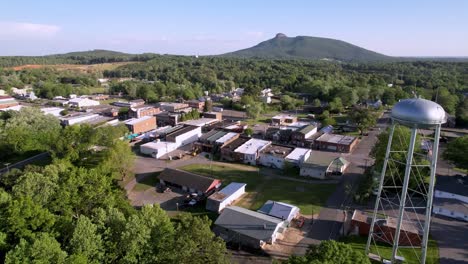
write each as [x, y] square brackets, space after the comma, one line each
[261, 119]
[146, 183]
[308, 197]
[385, 250]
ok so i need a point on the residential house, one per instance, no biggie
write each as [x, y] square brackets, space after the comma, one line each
[321, 165]
[226, 196]
[250, 150]
[189, 182]
[299, 137]
[240, 226]
[274, 156]
[283, 211]
[298, 156]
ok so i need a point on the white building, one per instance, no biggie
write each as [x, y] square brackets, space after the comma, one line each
[201, 122]
[82, 102]
[273, 156]
[68, 121]
[321, 165]
[298, 156]
[55, 111]
[283, 211]
[451, 197]
[227, 196]
[251, 149]
[157, 149]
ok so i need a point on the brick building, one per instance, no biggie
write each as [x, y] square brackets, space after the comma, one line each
[141, 125]
[337, 143]
[143, 110]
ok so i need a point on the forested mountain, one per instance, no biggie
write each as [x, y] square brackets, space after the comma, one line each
[81, 57]
[302, 47]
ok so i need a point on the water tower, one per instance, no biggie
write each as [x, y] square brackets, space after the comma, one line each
[398, 207]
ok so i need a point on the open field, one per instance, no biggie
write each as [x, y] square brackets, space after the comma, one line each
[77, 67]
[359, 243]
[307, 196]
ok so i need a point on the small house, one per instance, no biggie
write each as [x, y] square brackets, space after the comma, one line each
[226, 196]
[283, 211]
[189, 182]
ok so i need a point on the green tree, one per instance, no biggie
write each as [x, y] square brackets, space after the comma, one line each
[316, 102]
[195, 243]
[456, 152]
[447, 100]
[43, 249]
[336, 106]
[363, 118]
[330, 252]
[85, 241]
[462, 113]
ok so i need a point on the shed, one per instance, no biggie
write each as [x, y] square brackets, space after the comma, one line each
[228, 195]
[189, 182]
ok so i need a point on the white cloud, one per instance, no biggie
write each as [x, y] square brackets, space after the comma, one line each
[16, 29]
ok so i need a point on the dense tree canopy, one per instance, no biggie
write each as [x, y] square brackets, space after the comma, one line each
[457, 152]
[330, 252]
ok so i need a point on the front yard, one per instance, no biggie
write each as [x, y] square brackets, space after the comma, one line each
[307, 196]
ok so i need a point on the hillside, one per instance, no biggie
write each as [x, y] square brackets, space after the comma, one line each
[302, 47]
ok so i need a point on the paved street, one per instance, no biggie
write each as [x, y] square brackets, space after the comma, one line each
[452, 238]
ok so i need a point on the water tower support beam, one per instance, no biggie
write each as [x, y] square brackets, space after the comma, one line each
[404, 191]
[430, 194]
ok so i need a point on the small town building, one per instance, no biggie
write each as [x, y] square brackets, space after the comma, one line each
[143, 110]
[337, 143]
[283, 211]
[251, 149]
[228, 152]
[167, 119]
[137, 102]
[226, 196]
[196, 104]
[80, 102]
[201, 122]
[283, 119]
[451, 197]
[157, 149]
[299, 137]
[298, 156]
[189, 182]
[232, 115]
[215, 115]
[321, 165]
[240, 226]
[385, 228]
[7, 101]
[184, 135]
[79, 119]
[174, 107]
[213, 140]
[55, 111]
[141, 125]
[99, 97]
[274, 156]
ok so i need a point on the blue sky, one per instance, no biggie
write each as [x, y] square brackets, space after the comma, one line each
[399, 28]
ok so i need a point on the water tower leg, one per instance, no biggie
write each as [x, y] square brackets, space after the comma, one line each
[404, 191]
[381, 182]
[430, 193]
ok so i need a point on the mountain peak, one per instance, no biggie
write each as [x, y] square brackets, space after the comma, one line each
[281, 35]
[303, 47]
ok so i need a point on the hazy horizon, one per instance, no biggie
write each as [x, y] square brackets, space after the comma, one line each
[415, 29]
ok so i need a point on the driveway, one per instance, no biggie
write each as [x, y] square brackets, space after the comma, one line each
[452, 238]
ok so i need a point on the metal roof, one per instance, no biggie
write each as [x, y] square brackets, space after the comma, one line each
[418, 112]
[227, 191]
